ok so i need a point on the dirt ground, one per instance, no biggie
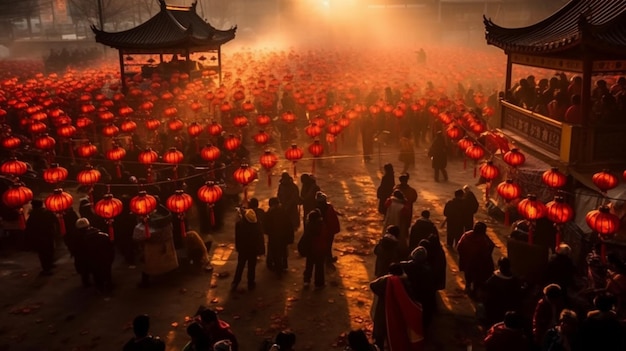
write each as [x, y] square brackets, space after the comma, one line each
[57, 313]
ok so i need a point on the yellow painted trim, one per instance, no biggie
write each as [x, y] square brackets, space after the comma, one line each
[566, 142]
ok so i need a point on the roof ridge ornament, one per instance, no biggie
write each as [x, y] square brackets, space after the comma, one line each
[193, 5]
[163, 5]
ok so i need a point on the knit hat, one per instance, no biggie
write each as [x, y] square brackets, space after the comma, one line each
[82, 223]
[222, 345]
[419, 254]
[250, 215]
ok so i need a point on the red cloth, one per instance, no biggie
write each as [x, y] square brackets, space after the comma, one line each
[404, 318]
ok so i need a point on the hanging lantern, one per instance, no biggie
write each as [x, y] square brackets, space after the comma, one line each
[128, 126]
[475, 152]
[313, 130]
[55, 174]
[179, 203]
[489, 172]
[244, 175]
[11, 142]
[142, 205]
[454, 132]
[88, 177]
[110, 131]
[268, 160]
[559, 212]
[106, 116]
[45, 142]
[37, 127]
[261, 138]
[344, 122]
[16, 197]
[554, 178]
[66, 131]
[147, 158]
[170, 112]
[531, 209]
[83, 122]
[247, 106]
[604, 180]
[293, 154]
[126, 111]
[109, 208]
[226, 107]
[13, 167]
[153, 124]
[210, 193]
[175, 124]
[316, 149]
[240, 121]
[86, 150]
[514, 158]
[603, 222]
[210, 153]
[116, 154]
[194, 129]
[263, 120]
[232, 143]
[58, 202]
[334, 128]
[173, 157]
[509, 191]
[464, 143]
[214, 128]
[288, 117]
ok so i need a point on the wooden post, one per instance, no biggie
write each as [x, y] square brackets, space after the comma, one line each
[122, 77]
[219, 62]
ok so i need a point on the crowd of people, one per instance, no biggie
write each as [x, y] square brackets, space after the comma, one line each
[559, 98]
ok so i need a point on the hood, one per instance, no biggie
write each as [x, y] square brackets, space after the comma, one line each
[389, 241]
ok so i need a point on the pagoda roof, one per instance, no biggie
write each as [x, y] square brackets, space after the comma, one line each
[172, 28]
[598, 24]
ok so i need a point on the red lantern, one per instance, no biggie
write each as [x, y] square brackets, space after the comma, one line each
[262, 120]
[293, 154]
[58, 202]
[45, 142]
[83, 122]
[288, 117]
[475, 152]
[55, 174]
[11, 142]
[316, 149]
[13, 167]
[454, 132]
[142, 205]
[175, 124]
[153, 124]
[531, 209]
[240, 121]
[147, 158]
[194, 129]
[334, 128]
[210, 193]
[16, 197]
[247, 106]
[553, 178]
[244, 175]
[126, 111]
[261, 138]
[179, 203]
[210, 153]
[559, 212]
[508, 191]
[66, 131]
[313, 130]
[268, 160]
[109, 208]
[116, 154]
[489, 171]
[214, 129]
[226, 107]
[174, 157]
[232, 143]
[170, 112]
[514, 158]
[106, 116]
[344, 122]
[128, 126]
[110, 131]
[465, 143]
[37, 127]
[604, 180]
[86, 150]
[603, 222]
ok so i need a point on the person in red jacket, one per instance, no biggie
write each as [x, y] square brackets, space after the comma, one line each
[330, 225]
[507, 335]
[217, 329]
[314, 246]
[547, 312]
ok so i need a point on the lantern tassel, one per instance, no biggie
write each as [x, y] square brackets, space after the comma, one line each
[269, 179]
[558, 237]
[507, 216]
[530, 234]
[183, 230]
[465, 163]
[22, 219]
[245, 196]
[603, 252]
[295, 174]
[111, 232]
[149, 174]
[61, 224]
[145, 223]
[118, 168]
[474, 170]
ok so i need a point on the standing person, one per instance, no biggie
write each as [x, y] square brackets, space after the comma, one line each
[471, 207]
[421, 280]
[387, 251]
[314, 246]
[436, 261]
[41, 231]
[247, 234]
[253, 204]
[455, 212]
[143, 341]
[385, 189]
[547, 312]
[439, 156]
[475, 260]
[561, 270]
[565, 335]
[410, 194]
[75, 242]
[507, 335]
[398, 215]
[307, 194]
[368, 130]
[502, 293]
[280, 234]
[99, 254]
[407, 153]
[422, 229]
[357, 341]
[330, 226]
[216, 329]
[397, 318]
[289, 196]
[602, 329]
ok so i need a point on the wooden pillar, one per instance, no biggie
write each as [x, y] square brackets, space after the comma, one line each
[219, 63]
[585, 99]
[509, 71]
[122, 76]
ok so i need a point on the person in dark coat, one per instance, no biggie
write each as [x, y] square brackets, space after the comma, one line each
[475, 260]
[471, 207]
[307, 194]
[124, 226]
[99, 252]
[507, 335]
[421, 279]
[280, 234]
[331, 224]
[216, 329]
[314, 246]
[455, 211]
[69, 221]
[289, 196]
[547, 312]
[565, 335]
[387, 251]
[368, 131]
[422, 229]
[40, 231]
[501, 293]
[143, 341]
[439, 156]
[357, 341]
[561, 269]
[387, 183]
[75, 242]
[436, 260]
[602, 330]
[85, 210]
[247, 237]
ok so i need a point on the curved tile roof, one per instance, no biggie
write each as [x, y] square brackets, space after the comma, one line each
[578, 20]
[173, 27]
